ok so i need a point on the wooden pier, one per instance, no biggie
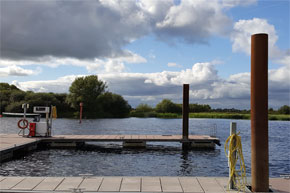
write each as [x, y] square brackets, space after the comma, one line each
[126, 184]
[12, 145]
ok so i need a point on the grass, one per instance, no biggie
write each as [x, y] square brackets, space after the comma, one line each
[209, 115]
[215, 115]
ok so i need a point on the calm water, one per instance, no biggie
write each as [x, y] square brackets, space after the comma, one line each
[159, 159]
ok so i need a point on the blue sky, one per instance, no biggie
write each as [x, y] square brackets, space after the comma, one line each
[146, 50]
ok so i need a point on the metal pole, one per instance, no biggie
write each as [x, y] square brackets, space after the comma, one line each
[185, 111]
[47, 123]
[24, 117]
[81, 112]
[233, 130]
[50, 125]
[259, 113]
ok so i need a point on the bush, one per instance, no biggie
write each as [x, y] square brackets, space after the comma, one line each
[284, 109]
[167, 106]
[168, 115]
[144, 108]
[113, 105]
[15, 107]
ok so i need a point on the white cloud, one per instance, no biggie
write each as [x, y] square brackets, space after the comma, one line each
[285, 59]
[205, 86]
[233, 3]
[92, 65]
[101, 29]
[173, 64]
[243, 29]
[14, 70]
[60, 85]
[194, 21]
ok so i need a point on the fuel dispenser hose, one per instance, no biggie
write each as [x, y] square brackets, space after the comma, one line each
[233, 146]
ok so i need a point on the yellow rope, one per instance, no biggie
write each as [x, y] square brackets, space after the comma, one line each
[54, 113]
[233, 145]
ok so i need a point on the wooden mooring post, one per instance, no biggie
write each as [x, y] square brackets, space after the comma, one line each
[259, 113]
[185, 118]
[233, 130]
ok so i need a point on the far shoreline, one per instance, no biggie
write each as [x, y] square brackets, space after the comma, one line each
[202, 115]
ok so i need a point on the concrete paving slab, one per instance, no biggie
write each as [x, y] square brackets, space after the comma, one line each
[111, 184]
[69, 183]
[10, 182]
[151, 184]
[223, 182]
[131, 184]
[49, 184]
[210, 185]
[2, 178]
[190, 184]
[91, 184]
[170, 184]
[28, 183]
[280, 184]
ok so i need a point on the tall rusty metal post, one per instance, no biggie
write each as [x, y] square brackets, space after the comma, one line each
[185, 112]
[259, 113]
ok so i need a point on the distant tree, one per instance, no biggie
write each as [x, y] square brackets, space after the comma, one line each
[144, 108]
[17, 95]
[5, 95]
[113, 105]
[285, 109]
[195, 108]
[15, 107]
[167, 106]
[6, 86]
[87, 90]
[40, 99]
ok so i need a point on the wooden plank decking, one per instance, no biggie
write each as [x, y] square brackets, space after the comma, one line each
[14, 141]
[8, 141]
[126, 184]
[159, 138]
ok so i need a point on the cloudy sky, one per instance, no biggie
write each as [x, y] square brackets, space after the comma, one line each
[146, 49]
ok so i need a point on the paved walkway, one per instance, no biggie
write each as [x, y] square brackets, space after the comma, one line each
[125, 184]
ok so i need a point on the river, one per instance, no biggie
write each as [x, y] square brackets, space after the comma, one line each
[159, 159]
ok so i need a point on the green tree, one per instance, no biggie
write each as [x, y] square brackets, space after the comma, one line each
[5, 95]
[144, 108]
[16, 96]
[15, 107]
[87, 90]
[285, 109]
[167, 106]
[113, 105]
[6, 86]
[195, 108]
[40, 99]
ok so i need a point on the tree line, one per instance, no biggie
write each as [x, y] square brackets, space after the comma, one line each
[167, 106]
[98, 102]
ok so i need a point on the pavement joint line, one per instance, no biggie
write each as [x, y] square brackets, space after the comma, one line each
[59, 184]
[200, 184]
[17, 183]
[180, 184]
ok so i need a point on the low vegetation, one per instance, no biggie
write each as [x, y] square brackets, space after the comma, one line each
[168, 109]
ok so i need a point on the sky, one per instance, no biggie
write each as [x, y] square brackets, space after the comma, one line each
[145, 50]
